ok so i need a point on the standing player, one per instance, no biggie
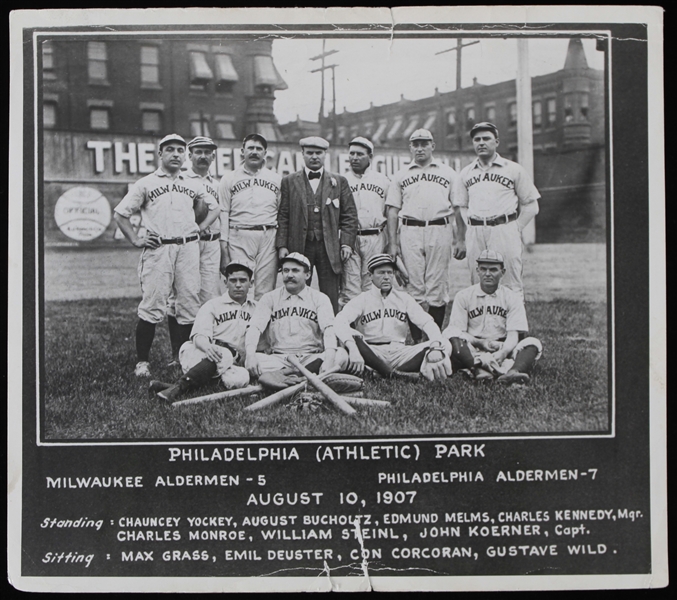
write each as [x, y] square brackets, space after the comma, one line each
[500, 200]
[422, 196]
[296, 320]
[486, 322]
[369, 189]
[216, 345]
[318, 217]
[381, 319]
[170, 260]
[250, 196]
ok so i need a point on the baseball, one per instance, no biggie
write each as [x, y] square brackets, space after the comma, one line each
[82, 213]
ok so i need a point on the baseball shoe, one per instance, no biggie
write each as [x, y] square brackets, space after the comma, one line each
[403, 375]
[142, 369]
[467, 374]
[482, 374]
[156, 386]
[513, 377]
[169, 394]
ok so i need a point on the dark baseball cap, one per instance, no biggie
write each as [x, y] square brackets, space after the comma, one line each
[258, 137]
[484, 126]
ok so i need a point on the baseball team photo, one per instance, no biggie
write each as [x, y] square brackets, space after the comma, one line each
[323, 235]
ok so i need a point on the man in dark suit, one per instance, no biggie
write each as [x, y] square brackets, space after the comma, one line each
[316, 205]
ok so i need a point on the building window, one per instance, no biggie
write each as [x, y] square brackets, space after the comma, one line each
[342, 134]
[413, 123]
[512, 114]
[382, 125]
[394, 130]
[584, 107]
[266, 76]
[537, 114]
[224, 130]
[470, 117]
[226, 75]
[568, 109]
[99, 118]
[451, 123]
[49, 114]
[151, 121]
[199, 127]
[490, 113]
[150, 66]
[97, 62]
[200, 71]
[552, 111]
[48, 60]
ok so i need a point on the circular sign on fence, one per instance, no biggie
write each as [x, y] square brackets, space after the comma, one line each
[82, 213]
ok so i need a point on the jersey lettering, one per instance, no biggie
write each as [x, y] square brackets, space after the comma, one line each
[255, 182]
[368, 187]
[506, 182]
[491, 310]
[408, 181]
[294, 311]
[157, 192]
[231, 316]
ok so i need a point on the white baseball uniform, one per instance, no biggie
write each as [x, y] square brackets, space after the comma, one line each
[489, 317]
[224, 322]
[250, 202]
[300, 324]
[493, 196]
[166, 206]
[383, 323]
[425, 197]
[210, 248]
[369, 192]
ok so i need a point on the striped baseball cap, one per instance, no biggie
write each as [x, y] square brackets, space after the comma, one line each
[490, 256]
[201, 140]
[380, 260]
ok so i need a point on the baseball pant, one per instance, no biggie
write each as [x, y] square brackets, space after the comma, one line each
[426, 253]
[356, 277]
[505, 239]
[210, 261]
[256, 248]
[397, 354]
[328, 281]
[170, 267]
[277, 362]
[232, 376]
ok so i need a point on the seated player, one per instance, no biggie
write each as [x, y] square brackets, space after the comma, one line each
[295, 319]
[487, 320]
[380, 317]
[216, 345]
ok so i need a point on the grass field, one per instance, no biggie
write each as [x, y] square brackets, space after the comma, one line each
[90, 393]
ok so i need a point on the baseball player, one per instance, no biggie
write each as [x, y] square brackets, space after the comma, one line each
[500, 199]
[171, 256]
[421, 197]
[216, 345]
[296, 320]
[486, 322]
[201, 156]
[374, 326]
[369, 190]
[250, 196]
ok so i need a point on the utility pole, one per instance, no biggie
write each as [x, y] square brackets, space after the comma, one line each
[459, 106]
[322, 69]
[525, 130]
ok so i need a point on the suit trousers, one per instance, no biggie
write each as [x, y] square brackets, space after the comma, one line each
[327, 280]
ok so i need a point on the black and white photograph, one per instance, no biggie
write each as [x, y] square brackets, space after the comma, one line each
[337, 299]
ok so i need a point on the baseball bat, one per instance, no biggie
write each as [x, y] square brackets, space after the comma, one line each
[365, 401]
[283, 394]
[322, 387]
[245, 391]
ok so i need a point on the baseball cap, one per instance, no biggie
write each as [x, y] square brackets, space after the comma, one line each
[201, 140]
[380, 260]
[315, 142]
[421, 134]
[490, 256]
[172, 137]
[297, 257]
[236, 265]
[364, 142]
[484, 126]
[256, 136]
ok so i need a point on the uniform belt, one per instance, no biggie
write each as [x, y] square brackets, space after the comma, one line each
[417, 223]
[372, 231]
[224, 345]
[254, 227]
[379, 343]
[209, 237]
[492, 221]
[179, 240]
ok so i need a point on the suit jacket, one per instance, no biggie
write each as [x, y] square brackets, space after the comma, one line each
[292, 216]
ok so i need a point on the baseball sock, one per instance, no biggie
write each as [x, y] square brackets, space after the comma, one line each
[461, 356]
[145, 333]
[413, 365]
[314, 365]
[199, 375]
[371, 359]
[184, 333]
[525, 359]
[174, 336]
[437, 313]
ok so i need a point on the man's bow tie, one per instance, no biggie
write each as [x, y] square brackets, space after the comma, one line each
[314, 175]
